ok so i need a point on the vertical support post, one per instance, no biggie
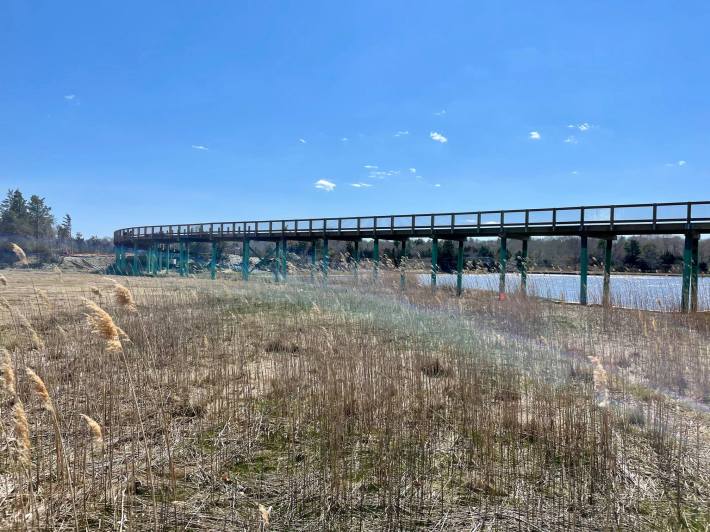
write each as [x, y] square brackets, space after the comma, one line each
[325, 261]
[117, 260]
[245, 259]
[695, 257]
[314, 260]
[606, 289]
[503, 264]
[434, 261]
[213, 261]
[277, 261]
[376, 258]
[187, 258]
[181, 259]
[687, 269]
[524, 268]
[459, 269]
[284, 259]
[356, 261]
[402, 261]
[136, 264]
[583, 269]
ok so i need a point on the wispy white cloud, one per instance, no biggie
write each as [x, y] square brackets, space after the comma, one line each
[571, 140]
[534, 135]
[440, 113]
[412, 170]
[584, 126]
[682, 163]
[574, 172]
[361, 185]
[199, 147]
[438, 137]
[677, 163]
[324, 184]
[302, 141]
[69, 97]
[344, 139]
[381, 174]
[437, 185]
[401, 133]
[370, 167]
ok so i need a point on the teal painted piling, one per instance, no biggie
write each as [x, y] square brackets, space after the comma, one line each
[695, 264]
[524, 268]
[583, 269]
[325, 262]
[356, 260]
[402, 265]
[459, 269]
[245, 259]
[503, 265]
[213, 261]
[687, 273]
[606, 284]
[434, 261]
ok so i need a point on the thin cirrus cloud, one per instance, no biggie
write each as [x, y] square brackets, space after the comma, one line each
[302, 141]
[438, 137]
[571, 140]
[324, 184]
[412, 170]
[69, 97]
[677, 163]
[199, 147]
[360, 185]
[401, 133]
[534, 135]
[584, 126]
[440, 113]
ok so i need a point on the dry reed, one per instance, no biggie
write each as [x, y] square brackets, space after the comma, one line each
[8, 373]
[102, 324]
[22, 433]
[124, 297]
[19, 253]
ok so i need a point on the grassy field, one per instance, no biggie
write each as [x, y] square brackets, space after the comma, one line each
[167, 403]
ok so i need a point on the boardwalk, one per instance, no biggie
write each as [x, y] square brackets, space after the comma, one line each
[596, 221]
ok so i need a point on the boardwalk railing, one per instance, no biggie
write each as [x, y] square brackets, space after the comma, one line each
[617, 219]
[598, 221]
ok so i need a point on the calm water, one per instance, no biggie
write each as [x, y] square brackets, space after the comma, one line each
[650, 292]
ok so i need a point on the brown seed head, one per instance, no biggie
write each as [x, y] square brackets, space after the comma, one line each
[102, 324]
[40, 389]
[8, 373]
[19, 253]
[22, 432]
[95, 429]
[124, 297]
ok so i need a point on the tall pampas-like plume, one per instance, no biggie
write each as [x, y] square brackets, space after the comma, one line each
[22, 432]
[94, 428]
[40, 390]
[3, 280]
[124, 297]
[600, 381]
[102, 324]
[19, 253]
[8, 373]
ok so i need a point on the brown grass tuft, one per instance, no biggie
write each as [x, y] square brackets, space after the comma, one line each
[265, 513]
[22, 433]
[19, 253]
[8, 373]
[102, 324]
[124, 297]
[40, 390]
[95, 429]
[3, 280]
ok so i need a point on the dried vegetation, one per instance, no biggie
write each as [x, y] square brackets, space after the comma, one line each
[255, 406]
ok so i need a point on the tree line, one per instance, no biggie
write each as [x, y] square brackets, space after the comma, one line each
[31, 224]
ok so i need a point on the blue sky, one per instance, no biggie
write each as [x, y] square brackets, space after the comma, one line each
[128, 113]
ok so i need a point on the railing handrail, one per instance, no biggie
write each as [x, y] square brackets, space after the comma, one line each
[281, 226]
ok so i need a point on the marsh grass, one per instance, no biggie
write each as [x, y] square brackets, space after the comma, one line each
[298, 406]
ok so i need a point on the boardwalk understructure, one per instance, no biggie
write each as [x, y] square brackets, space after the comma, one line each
[606, 222]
